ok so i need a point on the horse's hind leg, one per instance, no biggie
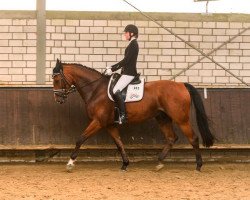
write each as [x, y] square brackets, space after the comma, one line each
[166, 126]
[114, 132]
[194, 141]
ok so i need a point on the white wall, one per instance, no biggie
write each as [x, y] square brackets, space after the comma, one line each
[99, 43]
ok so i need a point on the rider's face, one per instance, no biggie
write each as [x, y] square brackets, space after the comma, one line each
[127, 35]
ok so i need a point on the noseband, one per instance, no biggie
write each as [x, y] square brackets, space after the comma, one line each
[63, 92]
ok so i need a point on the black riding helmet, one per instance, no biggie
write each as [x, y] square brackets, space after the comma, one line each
[132, 29]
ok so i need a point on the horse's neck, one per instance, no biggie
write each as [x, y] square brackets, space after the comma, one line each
[81, 75]
[87, 82]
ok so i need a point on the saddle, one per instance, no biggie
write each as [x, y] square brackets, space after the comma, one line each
[133, 92]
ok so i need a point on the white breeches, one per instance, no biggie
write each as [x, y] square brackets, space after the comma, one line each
[123, 81]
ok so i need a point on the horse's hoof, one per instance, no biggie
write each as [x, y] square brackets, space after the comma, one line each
[124, 168]
[159, 167]
[198, 169]
[41, 159]
[70, 167]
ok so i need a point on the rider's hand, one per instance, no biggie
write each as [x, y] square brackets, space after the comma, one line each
[108, 71]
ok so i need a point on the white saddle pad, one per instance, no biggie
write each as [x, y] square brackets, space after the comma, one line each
[134, 92]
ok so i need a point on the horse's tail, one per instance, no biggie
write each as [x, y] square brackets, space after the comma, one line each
[201, 117]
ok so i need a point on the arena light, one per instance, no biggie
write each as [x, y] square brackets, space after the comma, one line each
[206, 3]
[204, 0]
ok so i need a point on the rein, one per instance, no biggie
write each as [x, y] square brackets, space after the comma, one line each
[65, 92]
[91, 82]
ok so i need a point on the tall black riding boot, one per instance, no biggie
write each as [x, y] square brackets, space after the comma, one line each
[121, 104]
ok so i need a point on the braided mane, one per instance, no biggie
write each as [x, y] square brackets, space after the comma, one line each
[84, 67]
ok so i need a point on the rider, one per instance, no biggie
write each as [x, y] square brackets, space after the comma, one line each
[128, 65]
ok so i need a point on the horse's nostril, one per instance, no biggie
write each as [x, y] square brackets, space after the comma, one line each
[60, 101]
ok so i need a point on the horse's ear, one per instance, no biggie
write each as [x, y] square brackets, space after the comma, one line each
[57, 67]
[58, 63]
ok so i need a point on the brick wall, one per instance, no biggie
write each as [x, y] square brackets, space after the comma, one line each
[96, 40]
[17, 51]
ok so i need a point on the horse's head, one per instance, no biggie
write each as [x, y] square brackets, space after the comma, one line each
[61, 86]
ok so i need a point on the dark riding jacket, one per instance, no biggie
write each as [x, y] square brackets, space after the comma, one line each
[128, 63]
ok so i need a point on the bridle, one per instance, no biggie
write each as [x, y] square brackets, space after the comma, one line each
[63, 92]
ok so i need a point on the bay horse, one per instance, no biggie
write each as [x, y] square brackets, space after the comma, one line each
[166, 101]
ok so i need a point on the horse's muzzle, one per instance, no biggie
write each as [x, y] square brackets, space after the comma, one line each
[60, 95]
[60, 98]
[61, 101]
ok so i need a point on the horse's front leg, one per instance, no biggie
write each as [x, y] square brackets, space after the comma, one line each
[93, 127]
[114, 132]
